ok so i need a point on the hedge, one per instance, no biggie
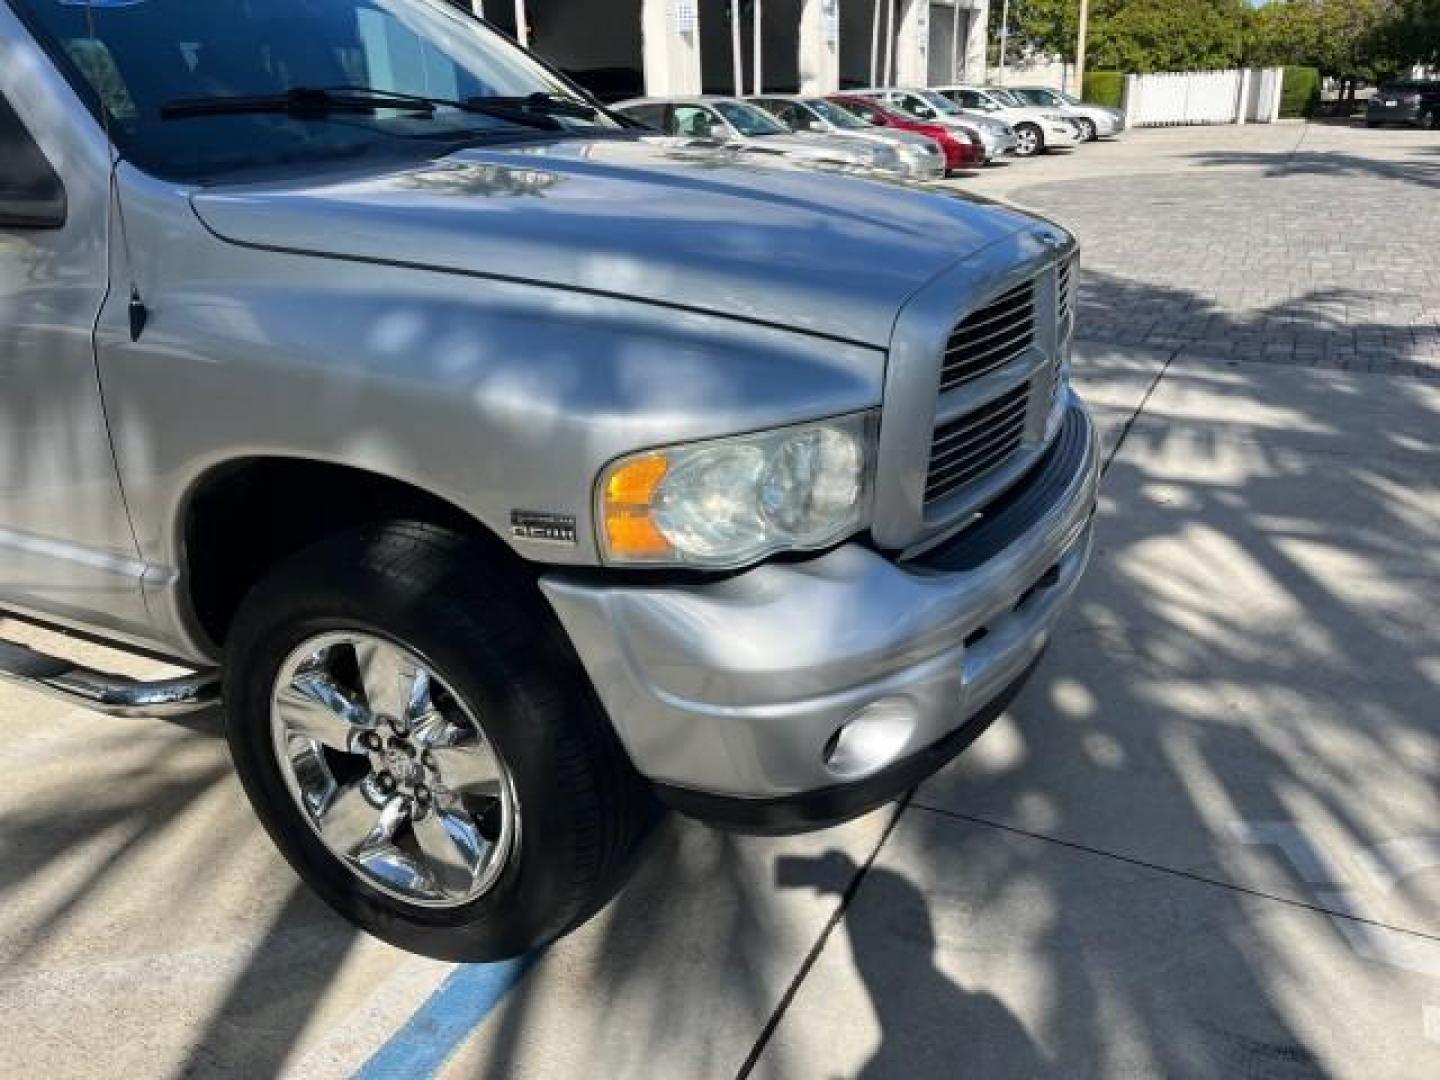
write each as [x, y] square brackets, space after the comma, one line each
[1299, 92]
[1104, 88]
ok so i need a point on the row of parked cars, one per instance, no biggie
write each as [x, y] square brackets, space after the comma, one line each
[919, 134]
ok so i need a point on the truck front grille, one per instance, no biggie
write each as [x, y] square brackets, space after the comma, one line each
[967, 448]
[990, 338]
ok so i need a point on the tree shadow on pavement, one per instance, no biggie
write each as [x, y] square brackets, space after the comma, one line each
[931, 1027]
[135, 877]
[1327, 163]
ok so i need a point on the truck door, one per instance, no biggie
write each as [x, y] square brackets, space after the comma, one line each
[67, 552]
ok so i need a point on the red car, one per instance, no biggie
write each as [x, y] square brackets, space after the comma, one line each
[961, 150]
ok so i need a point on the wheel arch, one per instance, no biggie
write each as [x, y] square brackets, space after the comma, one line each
[242, 517]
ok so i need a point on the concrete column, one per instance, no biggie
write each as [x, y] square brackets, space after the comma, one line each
[912, 43]
[974, 50]
[820, 46]
[671, 33]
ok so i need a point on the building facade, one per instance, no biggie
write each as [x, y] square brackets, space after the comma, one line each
[620, 48]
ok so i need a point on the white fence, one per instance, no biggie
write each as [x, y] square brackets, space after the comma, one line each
[1247, 95]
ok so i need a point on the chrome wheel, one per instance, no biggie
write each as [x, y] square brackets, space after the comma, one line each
[1027, 140]
[1088, 132]
[391, 771]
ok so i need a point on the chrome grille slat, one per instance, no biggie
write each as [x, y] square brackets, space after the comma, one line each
[1005, 350]
[945, 470]
[990, 337]
[947, 443]
[1009, 330]
[999, 311]
[940, 488]
[1065, 291]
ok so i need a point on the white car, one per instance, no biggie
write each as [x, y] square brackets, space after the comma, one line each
[1036, 130]
[1095, 121]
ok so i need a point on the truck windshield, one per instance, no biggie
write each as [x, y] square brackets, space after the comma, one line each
[199, 89]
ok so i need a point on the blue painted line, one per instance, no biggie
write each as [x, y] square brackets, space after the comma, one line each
[464, 1000]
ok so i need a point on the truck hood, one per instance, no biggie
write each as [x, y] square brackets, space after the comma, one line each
[699, 228]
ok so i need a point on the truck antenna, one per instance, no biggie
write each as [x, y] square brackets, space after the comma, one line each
[139, 313]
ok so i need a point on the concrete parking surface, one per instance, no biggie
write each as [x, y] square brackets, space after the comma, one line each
[1205, 841]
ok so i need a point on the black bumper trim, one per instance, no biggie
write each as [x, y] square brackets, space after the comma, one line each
[822, 807]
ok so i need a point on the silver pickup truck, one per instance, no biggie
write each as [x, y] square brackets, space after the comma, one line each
[502, 466]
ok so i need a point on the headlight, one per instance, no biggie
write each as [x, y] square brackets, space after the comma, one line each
[729, 502]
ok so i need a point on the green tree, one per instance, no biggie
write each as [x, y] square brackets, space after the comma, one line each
[1410, 34]
[1337, 36]
[1132, 35]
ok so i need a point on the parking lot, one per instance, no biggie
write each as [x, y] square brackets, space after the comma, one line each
[1205, 841]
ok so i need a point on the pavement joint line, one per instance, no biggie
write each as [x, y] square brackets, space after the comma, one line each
[1188, 875]
[763, 1040]
[1140, 408]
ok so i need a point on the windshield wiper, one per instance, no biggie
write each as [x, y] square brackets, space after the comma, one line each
[541, 103]
[536, 111]
[299, 101]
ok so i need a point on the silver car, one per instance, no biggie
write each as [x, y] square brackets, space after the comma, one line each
[502, 466]
[744, 125]
[1036, 130]
[997, 137]
[1094, 121]
[920, 157]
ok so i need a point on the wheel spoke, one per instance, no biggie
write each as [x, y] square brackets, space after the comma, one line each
[349, 818]
[470, 770]
[432, 730]
[315, 706]
[397, 869]
[453, 849]
[388, 677]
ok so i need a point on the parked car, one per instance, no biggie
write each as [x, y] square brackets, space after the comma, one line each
[747, 126]
[997, 136]
[1094, 121]
[963, 148]
[502, 466]
[920, 157]
[1036, 130]
[1414, 102]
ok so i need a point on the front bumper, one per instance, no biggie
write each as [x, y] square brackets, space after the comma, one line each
[998, 145]
[1063, 135]
[733, 692]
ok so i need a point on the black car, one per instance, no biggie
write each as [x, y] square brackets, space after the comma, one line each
[1411, 101]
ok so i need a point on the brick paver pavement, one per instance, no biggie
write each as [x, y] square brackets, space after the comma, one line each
[1294, 244]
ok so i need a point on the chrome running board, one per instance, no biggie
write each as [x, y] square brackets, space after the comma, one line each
[113, 695]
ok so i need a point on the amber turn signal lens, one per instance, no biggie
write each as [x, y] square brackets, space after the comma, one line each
[629, 493]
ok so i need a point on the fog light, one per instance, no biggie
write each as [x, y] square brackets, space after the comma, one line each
[871, 739]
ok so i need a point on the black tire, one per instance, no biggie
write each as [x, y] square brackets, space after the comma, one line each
[582, 807]
[1372, 123]
[1431, 120]
[1088, 132]
[1037, 146]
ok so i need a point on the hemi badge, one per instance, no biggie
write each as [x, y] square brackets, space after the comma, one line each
[543, 526]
